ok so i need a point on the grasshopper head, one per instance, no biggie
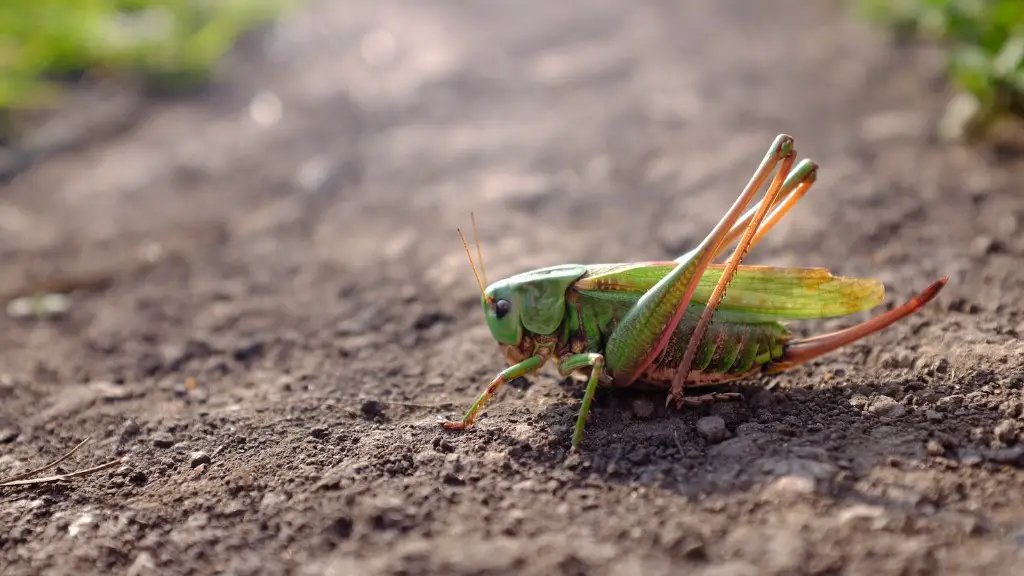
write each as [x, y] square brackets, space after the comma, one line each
[531, 302]
[502, 313]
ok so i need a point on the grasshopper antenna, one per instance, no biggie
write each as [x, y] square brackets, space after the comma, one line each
[469, 255]
[479, 251]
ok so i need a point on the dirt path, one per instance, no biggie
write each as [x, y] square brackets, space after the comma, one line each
[297, 258]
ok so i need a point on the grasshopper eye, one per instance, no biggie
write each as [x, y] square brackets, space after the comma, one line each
[502, 308]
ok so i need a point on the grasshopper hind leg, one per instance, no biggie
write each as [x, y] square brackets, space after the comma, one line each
[644, 331]
[797, 182]
[793, 190]
[799, 352]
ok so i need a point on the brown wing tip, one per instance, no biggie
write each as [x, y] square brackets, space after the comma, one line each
[801, 351]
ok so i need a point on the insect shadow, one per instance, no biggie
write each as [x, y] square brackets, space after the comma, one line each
[821, 439]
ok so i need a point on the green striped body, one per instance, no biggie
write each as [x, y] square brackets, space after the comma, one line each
[730, 349]
[734, 346]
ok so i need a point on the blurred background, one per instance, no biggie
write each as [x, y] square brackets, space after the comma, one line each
[75, 74]
[228, 252]
[172, 46]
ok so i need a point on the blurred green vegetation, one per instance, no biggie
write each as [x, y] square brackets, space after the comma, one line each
[169, 43]
[985, 43]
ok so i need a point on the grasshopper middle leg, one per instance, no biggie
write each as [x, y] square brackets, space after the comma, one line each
[566, 367]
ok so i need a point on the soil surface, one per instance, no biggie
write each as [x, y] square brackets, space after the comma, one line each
[271, 308]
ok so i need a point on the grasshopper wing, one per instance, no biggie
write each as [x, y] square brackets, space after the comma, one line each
[758, 293]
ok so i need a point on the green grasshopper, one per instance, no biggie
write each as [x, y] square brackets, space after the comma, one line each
[672, 325]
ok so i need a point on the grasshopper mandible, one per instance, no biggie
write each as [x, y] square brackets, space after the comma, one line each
[672, 325]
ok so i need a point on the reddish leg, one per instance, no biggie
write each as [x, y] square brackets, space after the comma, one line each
[803, 176]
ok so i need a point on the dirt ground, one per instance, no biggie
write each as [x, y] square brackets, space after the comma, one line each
[288, 241]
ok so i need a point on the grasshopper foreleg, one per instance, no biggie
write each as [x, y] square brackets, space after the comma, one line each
[566, 367]
[507, 375]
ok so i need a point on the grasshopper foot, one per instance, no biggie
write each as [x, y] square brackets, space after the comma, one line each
[681, 400]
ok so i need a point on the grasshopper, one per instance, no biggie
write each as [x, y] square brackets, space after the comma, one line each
[673, 324]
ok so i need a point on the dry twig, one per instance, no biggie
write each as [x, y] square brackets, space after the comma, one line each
[25, 479]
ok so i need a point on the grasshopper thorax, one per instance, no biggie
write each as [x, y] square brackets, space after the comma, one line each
[531, 302]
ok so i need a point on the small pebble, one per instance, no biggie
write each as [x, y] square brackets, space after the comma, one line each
[372, 408]
[712, 428]
[933, 416]
[791, 484]
[573, 460]
[442, 444]
[130, 429]
[272, 499]
[248, 351]
[762, 400]
[143, 564]
[934, 448]
[266, 108]
[1006, 431]
[1007, 226]
[874, 515]
[643, 409]
[887, 406]
[198, 459]
[112, 392]
[453, 479]
[859, 401]
[971, 459]
[982, 246]
[163, 440]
